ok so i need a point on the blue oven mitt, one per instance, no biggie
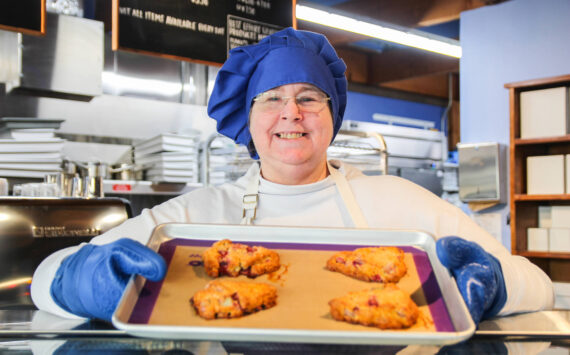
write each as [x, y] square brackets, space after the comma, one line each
[478, 275]
[90, 282]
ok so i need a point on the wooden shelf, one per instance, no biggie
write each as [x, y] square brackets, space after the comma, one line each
[546, 140]
[524, 207]
[535, 84]
[548, 255]
[523, 197]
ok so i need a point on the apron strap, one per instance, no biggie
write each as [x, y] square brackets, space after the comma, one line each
[251, 198]
[348, 197]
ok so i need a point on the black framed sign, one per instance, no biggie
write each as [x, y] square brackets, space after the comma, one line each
[25, 16]
[196, 30]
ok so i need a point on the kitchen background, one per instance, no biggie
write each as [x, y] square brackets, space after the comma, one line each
[110, 100]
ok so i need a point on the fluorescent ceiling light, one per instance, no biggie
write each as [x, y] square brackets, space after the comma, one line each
[382, 31]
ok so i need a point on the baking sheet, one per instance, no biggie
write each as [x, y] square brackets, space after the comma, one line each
[162, 309]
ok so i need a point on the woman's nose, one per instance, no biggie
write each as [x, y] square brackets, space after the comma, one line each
[291, 110]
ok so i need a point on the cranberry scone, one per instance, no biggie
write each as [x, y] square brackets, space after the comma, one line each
[233, 299]
[377, 264]
[225, 258]
[385, 306]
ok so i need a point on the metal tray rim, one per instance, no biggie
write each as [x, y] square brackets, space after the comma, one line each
[297, 336]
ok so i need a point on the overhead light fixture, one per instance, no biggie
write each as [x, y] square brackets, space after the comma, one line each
[382, 31]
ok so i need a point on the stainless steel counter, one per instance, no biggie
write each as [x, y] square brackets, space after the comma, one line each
[37, 332]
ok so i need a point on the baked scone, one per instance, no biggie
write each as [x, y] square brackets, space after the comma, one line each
[234, 259]
[385, 307]
[232, 299]
[379, 264]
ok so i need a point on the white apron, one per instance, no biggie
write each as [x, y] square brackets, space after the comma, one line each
[251, 198]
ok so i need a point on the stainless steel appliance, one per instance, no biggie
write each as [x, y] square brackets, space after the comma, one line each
[482, 172]
[67, 62]
[33, 228]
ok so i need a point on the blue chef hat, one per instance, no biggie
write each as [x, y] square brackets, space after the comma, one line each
[285, 57]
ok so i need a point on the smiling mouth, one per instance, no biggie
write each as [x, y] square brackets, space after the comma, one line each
[290, 135]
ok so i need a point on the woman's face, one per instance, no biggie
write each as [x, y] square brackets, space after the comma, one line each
[291, 127]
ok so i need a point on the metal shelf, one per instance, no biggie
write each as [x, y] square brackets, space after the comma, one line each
[138, 187]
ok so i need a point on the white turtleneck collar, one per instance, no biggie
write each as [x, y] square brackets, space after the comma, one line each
[268, 187]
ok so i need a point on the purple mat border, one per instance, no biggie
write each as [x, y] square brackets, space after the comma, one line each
[149, 294]
[150, 291]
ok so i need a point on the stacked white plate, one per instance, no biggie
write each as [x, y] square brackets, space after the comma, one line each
[28, 147]
[30, 157]
[8, 125]
[169, 157]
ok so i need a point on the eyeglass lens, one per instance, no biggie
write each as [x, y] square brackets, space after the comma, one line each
[307, 102]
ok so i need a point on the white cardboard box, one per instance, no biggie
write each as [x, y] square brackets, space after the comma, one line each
[537, 239]
[560, 217]
[559, 240]
[544, 216]
[562, 293]
[545, 175]
[544, 113]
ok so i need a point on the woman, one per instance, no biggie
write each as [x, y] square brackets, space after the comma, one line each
[284, 98]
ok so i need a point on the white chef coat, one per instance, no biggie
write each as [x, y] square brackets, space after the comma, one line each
[386, 202]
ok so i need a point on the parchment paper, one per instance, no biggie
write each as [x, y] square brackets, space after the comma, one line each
[303, 284]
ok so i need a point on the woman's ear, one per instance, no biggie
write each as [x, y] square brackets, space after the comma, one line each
[251, 148]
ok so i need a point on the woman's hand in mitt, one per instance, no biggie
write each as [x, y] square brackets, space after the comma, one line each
[478, 275]
[90, 282]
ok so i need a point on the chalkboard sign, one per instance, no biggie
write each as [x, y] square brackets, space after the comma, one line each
[197, 30]
[26, 16]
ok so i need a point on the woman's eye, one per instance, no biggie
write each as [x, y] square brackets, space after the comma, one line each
[306, 99]
[274, 99]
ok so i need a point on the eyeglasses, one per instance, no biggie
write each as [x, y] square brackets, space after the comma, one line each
[309, 101]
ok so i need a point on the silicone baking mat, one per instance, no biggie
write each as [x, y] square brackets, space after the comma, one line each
[304, 289]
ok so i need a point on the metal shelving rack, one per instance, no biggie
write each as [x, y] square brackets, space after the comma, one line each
[233, 160]
[364, 150]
